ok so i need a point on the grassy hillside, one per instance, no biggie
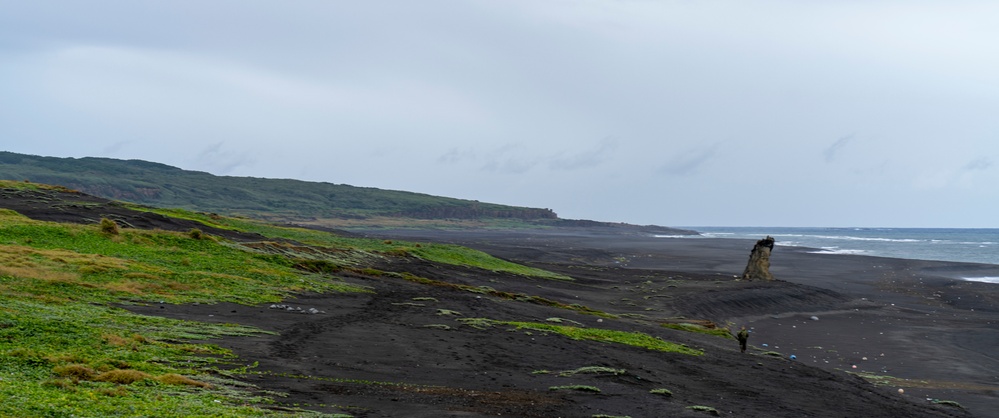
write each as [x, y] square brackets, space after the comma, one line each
[276, 199]
[68, 351]
[115, 309]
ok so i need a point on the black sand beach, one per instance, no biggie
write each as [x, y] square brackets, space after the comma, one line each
[403, 351]
[899, 320]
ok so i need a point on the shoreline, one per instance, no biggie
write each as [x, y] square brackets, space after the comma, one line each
[912, 319]
[958, 270]
[968, 245]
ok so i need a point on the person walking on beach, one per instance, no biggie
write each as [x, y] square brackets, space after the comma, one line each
[743, 336]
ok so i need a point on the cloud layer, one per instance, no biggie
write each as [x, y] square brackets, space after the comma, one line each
[672, 113]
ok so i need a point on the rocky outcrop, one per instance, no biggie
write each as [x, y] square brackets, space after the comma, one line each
[758, 267]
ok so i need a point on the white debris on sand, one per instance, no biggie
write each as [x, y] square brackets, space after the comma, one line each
[289, 308]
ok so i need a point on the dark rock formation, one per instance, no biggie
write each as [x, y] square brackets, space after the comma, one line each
[758, 267]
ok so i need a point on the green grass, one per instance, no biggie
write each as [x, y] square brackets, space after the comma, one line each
[64, 351]
[948, 403]
[440, 253]
[52, 357]
[661, 391]
[58, 262]
[702, 408]
[27, 185]
[635, 339]
[592, 370]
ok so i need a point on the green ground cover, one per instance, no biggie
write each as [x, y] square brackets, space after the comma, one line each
[635, 339]
[65, 351]
[439, 253]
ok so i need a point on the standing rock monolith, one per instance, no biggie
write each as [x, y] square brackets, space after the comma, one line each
[758, 267]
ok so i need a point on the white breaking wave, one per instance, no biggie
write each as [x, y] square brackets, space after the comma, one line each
[879, 239]
[982, 279]
[716, 234]
[837, 250]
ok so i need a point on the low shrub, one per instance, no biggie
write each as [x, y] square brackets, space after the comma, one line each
[176, 379]
[661, 391]
[75, 371]
[109, 227]
[122, 377]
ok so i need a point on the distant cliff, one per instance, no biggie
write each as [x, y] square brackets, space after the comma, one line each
[165, 186]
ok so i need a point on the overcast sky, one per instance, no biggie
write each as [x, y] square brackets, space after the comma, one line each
[677, 113]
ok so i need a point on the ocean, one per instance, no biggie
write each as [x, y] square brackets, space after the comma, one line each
[943, 244]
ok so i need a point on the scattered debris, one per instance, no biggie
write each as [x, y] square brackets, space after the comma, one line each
[289, 308]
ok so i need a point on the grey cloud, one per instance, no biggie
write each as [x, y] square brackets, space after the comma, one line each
[831, 152]
[456, 155]
[509, 166]
[116, 147]
[510, 158]
[978, 164]
[312, 76]
[219, 161]
[588, 158]
[689, 162]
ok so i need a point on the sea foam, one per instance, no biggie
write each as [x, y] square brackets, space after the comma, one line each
[982, 279]
[835, 250]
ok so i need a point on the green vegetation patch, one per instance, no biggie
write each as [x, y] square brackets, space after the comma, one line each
[64, 351]
[457, 255]
[702, 408]
[439, 253]
[57, 262]
[27, 185]
[661, 391]
[87, 360]
[635, 339]
[948, 403]
[592, 370]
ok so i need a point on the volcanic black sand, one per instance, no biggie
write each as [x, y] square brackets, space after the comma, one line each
[401, 350]
[888, 317]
